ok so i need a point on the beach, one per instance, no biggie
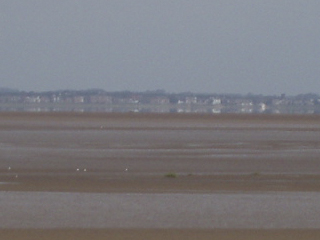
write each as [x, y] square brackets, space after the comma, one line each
[174, 176]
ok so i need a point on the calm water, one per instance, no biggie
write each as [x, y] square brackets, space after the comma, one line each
[92, 210]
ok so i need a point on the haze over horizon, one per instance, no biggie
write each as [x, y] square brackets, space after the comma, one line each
[263, 47]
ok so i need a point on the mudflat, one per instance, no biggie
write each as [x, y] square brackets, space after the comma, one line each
[159, 234]
[152, 155]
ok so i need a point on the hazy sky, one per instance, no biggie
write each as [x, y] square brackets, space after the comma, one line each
[217, 46]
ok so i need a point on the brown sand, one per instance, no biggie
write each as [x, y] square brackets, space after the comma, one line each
[42, 158]
[23, 135]
[159, 234]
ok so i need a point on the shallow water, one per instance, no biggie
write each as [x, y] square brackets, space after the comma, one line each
[220, 210]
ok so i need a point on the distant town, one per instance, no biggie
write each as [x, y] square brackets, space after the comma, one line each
[98, 100]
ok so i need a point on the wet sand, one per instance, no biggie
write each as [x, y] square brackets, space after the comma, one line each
[159, 234]
[133, 153]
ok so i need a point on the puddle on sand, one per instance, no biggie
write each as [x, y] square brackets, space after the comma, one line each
[2, 183]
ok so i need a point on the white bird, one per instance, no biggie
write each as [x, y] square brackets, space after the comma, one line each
[126, 170]
[78, 169]
[9, 168]
[85, 170]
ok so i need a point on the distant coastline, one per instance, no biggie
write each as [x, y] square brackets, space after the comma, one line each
[97, 100]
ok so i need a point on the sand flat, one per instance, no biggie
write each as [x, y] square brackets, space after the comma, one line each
[159, 234]
[126, 154]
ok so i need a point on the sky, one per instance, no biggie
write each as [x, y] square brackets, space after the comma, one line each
[202, 46]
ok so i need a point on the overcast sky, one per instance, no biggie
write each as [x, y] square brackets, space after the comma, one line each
[216, 46]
